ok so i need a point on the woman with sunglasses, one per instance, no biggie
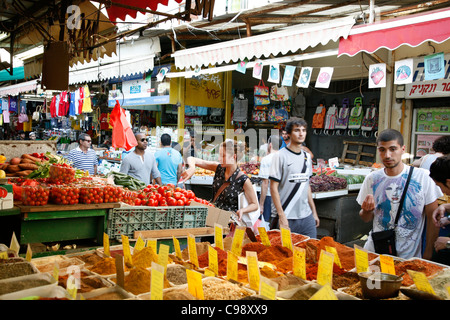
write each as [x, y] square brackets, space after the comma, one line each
[141, 164]
[228, 181]
[84, 157]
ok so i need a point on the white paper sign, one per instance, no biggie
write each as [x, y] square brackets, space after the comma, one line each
[288, 76]
[274, 73]
[403, 71]
[305, 77]
[324, 77]
[377, 75]
[257, 69]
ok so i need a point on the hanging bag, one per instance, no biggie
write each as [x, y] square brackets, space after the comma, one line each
[319, 118]
[240, 110]
[342, 119]
[23, 116]
[278, 114]
[261, 94]
[384, 241]
[356, 115]
[278, 93]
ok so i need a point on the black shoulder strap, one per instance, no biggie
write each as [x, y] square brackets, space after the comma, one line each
[297, 185]
[402, 199]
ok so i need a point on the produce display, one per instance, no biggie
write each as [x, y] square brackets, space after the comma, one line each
[324, 182]
[250, 168]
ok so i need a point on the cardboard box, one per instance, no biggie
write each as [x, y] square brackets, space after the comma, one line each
[215, 215]
[6, 196]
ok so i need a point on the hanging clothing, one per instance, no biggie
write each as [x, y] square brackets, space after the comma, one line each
[87, 107]
[80, 100]
[12, 104]
[72, 104]
[53, 107]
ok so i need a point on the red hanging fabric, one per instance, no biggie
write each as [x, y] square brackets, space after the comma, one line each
[122, 134]
[116, 12]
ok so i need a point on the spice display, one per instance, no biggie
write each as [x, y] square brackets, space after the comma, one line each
[176, 274]
[275, 237]
[138, 281]
[177, 294]
[401, 267]
[62, 264]
[268, 272]
[11, 260]
[201, 248]
[14, 286]
[274, 254]
[257, 247]
[62, 279]
[288, 281]
[203, 259]
[10, 270]
[304, 293]
[106, 266]
[87, 284]
[345, 280]
[223, 290]
[311, 271]
[354, 290]
[90, 258]
[439, 282]
[109, 296]
[144, 258]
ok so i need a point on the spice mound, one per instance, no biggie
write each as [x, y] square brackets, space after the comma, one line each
[90, 258]
[177, 294]
[223, 290]
[106, 266]
[144, 258]
[14, 286]
[176, 274]
[11, 270]
[139, 280]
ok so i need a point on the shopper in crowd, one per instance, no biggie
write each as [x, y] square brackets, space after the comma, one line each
[169, 161]
[84, 157]
[441, 147]
[228, 180]
[380, 196]
[107, 143]
[191, 148]
[440, 173]
[21, 135]
[285, 137]
[265, 199]
[141, 164]
[32, 135]
[291, 168]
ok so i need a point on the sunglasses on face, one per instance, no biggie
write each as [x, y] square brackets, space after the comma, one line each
[87, 140]
[144, 140]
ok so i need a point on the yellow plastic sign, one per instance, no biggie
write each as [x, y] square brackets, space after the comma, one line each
[361, 259]
[299, 264]
[192, 248]
[387, 264]
[139, 245]
[268, 288]
[195, 286]
[286, 239]
[232, 266]
[324, 293]
[336, 255]
[176, 245]
[218, 236]
[238, 238]
[264, 237]
[126, 250]
[213, 263]
[106, 249]
[421, 281]
[153, 244]
[253, 270]
[157, 282]
[29, 253]
[325, 268]
[163, 256]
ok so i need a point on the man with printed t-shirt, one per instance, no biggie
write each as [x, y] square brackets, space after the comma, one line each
[380, 196]
[289, 183]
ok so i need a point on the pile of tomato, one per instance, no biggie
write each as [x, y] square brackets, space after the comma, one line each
[92, 194]
[67, 194]
[112, 193]
[167, 195]
[35, 195]
[62, 173]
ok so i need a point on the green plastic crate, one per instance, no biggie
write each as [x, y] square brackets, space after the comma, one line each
[125, 221]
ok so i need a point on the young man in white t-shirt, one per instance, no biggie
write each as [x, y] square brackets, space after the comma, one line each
[380, 195]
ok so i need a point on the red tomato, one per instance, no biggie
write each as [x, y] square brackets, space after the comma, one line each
[152, 203]
[168, 194]
[137, 202]
[178, 189]
[171, 201]
[180, 203]
[170, 185]
[177, 195]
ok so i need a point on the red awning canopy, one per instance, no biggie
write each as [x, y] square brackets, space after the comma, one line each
[119, 12]
[391, 34]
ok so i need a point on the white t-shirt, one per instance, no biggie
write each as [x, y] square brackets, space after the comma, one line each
[264, 169]
[387, 192]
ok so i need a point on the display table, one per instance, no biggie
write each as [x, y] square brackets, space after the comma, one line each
[58, 223]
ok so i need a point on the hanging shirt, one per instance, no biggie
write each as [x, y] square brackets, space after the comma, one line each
[87, 100]
[80, 100]
[53, 107]
[72, 109]
[5, 116]
[12, 104]
[5, 104]
[104, 125]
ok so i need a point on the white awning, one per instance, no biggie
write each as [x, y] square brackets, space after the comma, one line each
[133, 57]
[16, 89]
[287, 40]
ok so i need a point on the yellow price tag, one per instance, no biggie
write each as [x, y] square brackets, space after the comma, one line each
[153, 244]
[126, 250]
[421, 281]
[195, 286]
[286, 239]
[324, 293]
[176, 245]
[14, 245]
[299, 264]
[71, 286]
[139, 245]
[4, 255]
[163, 256]
[238, 238]
[232, 266]
[361, 259]
[157, 282]
[387, 264]
[218, 236]
[336, 255]
[264, 237]
[106, 249]
[29, 253]
[192, 248]
[268, 288]
[209, 273]
[213, 262]
[253, 270]
[325, 268]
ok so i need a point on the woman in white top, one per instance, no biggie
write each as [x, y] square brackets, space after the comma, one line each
[441, 146]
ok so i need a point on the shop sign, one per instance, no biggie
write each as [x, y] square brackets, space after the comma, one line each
[140, 93]
[420, 88]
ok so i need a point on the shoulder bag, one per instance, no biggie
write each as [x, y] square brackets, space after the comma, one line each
[384, 241]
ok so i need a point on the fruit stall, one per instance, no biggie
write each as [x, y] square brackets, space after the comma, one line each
[47, 200]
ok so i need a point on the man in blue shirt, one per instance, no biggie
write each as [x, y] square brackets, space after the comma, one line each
[169, 161]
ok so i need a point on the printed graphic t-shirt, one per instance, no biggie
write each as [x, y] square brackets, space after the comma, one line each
[387, 192]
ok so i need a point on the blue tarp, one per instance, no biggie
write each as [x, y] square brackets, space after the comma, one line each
[18, 73]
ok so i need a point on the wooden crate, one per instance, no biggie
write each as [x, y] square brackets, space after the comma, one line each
[358, 150]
